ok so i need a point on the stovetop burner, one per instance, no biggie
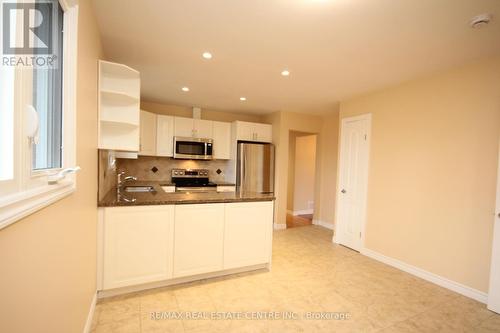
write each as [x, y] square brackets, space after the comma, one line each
[191, 178]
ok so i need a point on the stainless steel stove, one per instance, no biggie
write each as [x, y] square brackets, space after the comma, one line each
[192, 180]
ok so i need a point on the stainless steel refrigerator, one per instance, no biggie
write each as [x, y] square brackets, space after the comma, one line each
[255, 167]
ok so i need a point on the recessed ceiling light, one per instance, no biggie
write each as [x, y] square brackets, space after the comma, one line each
[207, 55]
[480, 21]
[243, 98]
[186, 89]
[286, 72]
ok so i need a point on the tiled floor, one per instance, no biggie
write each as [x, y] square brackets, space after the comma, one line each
[309, 274]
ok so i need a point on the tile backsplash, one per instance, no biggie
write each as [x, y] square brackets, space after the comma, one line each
[159, 168]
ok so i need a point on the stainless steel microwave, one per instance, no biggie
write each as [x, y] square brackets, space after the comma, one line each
[193, 148]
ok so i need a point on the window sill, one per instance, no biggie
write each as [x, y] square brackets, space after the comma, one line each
[19, 205]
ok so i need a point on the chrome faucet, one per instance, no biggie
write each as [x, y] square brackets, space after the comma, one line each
[120, 181]
[119, 184]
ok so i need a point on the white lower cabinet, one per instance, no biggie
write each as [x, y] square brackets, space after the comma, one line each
[138, 243]
[144, 244]
[199, 237]
[247, 233]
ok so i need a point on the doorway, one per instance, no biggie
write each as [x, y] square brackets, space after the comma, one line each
[301, 179]
[353, 181]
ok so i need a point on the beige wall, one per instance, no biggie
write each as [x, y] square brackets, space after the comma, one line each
[326, 173]
[48, 260]
[184, 111]
[291, 170]
[432, 177]
[305, 172]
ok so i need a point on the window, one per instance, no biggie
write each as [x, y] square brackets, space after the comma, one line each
[6, 124]
[37, 104]
[47, 101]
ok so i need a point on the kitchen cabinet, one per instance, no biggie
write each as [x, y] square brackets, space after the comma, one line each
[165, 136]
[138, 245]
[118, 107]
[147, 145]
[199, 237]
[222, 140]
[144, 244]
[193, 128]
[247, 233]
[246, 131]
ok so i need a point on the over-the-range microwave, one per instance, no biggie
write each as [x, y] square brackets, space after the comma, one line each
[193, 148]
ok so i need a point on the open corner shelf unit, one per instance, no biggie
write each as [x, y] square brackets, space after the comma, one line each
[119, 107]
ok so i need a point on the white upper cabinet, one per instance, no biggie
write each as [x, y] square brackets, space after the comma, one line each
[203, 129]
[148, 134]
[222, 140]
[193, 128]
[246, 131]
[119, 98]
[184, 127]
[164, 136]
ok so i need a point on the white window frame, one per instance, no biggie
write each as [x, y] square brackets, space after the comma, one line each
[32, 189]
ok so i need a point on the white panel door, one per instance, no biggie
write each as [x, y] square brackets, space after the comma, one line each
[165, 136]
[199, 236]
[353, 181]
[148, 134]
[222, 140]
[184, 127]
[494, 292]
[203, 129]
[263, 133]
[138, 245]
[248, 234]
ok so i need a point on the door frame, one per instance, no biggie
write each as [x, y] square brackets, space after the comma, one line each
[368, 118]
[494, 285]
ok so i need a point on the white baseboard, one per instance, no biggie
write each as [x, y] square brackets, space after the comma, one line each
[323, 224]
[279, 226]
[431, 277]
[90, 316]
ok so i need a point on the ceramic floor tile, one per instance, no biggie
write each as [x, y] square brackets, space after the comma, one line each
[310, 278]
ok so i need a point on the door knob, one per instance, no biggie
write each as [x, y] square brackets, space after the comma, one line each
[343, 191]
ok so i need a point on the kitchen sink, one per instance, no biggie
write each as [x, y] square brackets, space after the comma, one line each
[135, 189]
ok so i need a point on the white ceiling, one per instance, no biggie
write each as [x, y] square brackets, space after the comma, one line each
[334, 49]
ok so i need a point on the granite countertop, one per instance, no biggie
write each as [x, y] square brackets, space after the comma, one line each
[160, 197]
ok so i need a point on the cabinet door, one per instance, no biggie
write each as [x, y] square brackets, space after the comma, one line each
[203, 128]
[222, 140]
[184, 127]
[138, 245]
[244, 131]
[165, 136]
[247, 233]
[263, 133]
[148, 134]
[198, 239]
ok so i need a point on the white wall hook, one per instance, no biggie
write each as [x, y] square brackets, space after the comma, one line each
[32, 124]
